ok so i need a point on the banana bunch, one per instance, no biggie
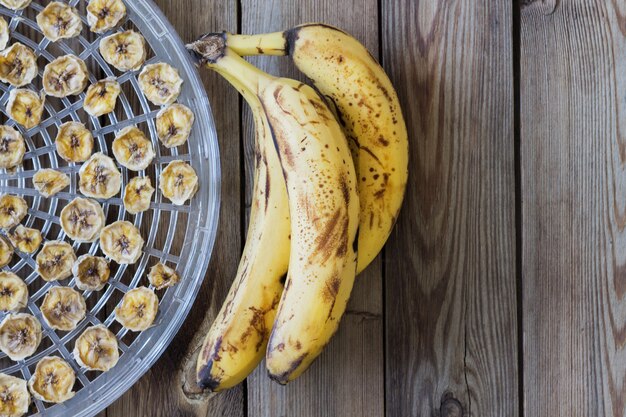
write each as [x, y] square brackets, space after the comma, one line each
[329, 179]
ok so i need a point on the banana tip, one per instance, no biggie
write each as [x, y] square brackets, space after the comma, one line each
[205, 380]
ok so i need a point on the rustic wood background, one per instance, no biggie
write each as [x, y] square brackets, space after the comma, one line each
[502, 289]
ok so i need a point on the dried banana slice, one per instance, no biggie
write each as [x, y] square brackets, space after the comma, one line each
[138, 195]
[178, 182]
[14, 396]
[12, 147]
[13, 209]
[96, 349]
[49, 182]
[53, 380]
[160, 83]
[101, 97]
[126, 51]
[174, 124]
[15, 4]
[25, 239]
[4, 33]
[63, 308]
[122, 242]
[82, 220]
[25, 107]
[55, 260]
[138, 309]
[13, 292]
[20, 335]
[91, 272]
[6, 251]
[162, 276]
[65, 76]
[103, 15]
[18, 65]
[132, 149]
[74, 142]
[59, 21]
[99, 177]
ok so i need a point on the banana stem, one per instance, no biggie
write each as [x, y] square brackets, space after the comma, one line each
[264, 44]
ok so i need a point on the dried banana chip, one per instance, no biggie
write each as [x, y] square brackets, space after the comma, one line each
[132, 149]
[6, 251]
[173, 125]
[122, 242]
[55, 260]
[160, 83]
[63, 308]
[126, 51]
[20, 335]
[13, 292]
[12, 147]
[65, 76]
[99, 177]
[14, 396]
[18, 65]
[49, 182]
[53, 380]
[138, 309]
[96, 349]
[25, 107]
[59, 21]
[25, 239]
[178, 182]
[91, 272]
[103, 15]
[15, 4]
[138, 195]
[82, 220]
[4, 33]
[13, 209]
[162, 276]
[101, 97]
[74, 142]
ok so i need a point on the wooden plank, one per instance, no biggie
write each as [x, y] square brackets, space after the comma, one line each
[573, 124]
[347, 379]
[161, 392]
[450, 284]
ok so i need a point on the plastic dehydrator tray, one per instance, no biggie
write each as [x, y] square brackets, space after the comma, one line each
[179, 236]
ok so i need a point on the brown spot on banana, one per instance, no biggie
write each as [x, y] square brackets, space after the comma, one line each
[283, 378]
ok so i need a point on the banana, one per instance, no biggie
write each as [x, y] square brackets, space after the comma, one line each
[55, 260]
[162, 276]
[324, 207]
[6, 251]
[91, 272]
[53, 380]
[138, 309]
[126, 51]
[63, 308]
[13, 209]
[15, 4]
[103, 15]
[122, 242]
[96, 349]
[367, 105]
[12, 147]
[132, 149]
[74, 142]
[82, 220]
[18, 65]
[14, 396]
[20, 335]
[59, 21]
[4, 33]
[66, 76]
[178, 182]
[160, 83]
[173, 124]
[25, 107]
[48, 182]
[101, 97]
[138, 195]
[99, 177]
[25, 239]
[13, 292]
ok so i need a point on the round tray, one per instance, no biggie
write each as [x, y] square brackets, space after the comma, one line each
[180, 236]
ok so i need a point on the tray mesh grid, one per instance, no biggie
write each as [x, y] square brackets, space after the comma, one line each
[180, 236]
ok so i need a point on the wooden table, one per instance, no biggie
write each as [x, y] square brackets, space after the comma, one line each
[502, 289]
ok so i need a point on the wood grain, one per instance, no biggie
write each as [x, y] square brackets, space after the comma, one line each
[573, 154]
[161, 392]
[450, 282]
[347, 379]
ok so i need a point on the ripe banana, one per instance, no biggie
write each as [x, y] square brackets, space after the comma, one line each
[323, 205]
[237, 340]
[368, 109]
